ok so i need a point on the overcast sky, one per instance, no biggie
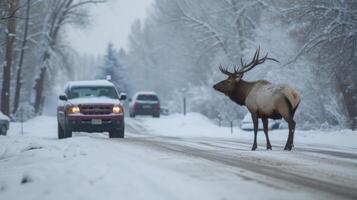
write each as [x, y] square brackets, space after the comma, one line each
[109, 22]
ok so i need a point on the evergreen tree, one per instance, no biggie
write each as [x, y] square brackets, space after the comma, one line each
[115, 68]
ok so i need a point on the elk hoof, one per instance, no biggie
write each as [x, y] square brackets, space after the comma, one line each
[288, 148]
[254, 147]
[269, 147]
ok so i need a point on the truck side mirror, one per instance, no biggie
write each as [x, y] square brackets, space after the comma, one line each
[122, 96]
[63, 97]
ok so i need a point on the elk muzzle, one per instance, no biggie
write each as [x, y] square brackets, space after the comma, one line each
[218, 87]
[223, 86]
[215, 86]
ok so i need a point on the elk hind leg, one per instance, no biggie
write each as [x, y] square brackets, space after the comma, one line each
[290, 143]
[293, 124]
[255, 123]
[285, 112]
[265, 125]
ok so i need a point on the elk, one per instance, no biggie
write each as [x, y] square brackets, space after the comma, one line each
[263, 99]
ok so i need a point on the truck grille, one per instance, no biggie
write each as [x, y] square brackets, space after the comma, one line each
[95, 110]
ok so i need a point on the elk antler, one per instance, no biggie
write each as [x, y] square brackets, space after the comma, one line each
[225, 71]
[255, 61]
[246, 67]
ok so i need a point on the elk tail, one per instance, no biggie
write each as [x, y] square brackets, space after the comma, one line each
[292, 109]
[292, 98]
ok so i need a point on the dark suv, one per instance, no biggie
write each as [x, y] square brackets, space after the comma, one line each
[144, 103]
[90, 106]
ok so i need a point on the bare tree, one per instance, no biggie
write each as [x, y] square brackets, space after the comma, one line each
[7, 15]
[9, 45]
[329, 35]
[63, 12]
[21, 59]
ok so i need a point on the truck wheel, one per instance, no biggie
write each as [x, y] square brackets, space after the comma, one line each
[3, 130]
[117, 133]
[156, 115]
[60, 132]
[132, 115]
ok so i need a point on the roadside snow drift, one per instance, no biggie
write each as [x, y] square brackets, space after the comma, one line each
[197, 125]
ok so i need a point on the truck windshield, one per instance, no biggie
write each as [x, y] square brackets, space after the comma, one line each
[92, 91]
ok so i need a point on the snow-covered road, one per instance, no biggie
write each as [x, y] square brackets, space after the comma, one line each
[171, 158]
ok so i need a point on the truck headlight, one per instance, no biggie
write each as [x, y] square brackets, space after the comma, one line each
[73, 109]
[117, 109]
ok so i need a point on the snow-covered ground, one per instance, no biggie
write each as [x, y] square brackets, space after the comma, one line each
[174, 157]
[197, 125]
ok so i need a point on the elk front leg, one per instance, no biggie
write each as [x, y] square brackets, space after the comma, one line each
[265, 125]
[255, 123]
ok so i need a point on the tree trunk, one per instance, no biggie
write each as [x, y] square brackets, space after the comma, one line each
[350, 105]
[58, 17]
[9, 45]
[39, 90]
[22, 53]
[39, 83]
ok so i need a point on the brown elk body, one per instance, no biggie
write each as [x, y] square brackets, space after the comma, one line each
[263, 99]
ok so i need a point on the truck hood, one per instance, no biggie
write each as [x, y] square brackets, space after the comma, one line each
[94, 100]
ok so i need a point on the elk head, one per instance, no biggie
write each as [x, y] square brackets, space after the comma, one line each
[227, 86]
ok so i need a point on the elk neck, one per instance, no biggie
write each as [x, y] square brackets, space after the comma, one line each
[240, 91]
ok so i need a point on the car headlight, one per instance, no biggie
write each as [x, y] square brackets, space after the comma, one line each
[73, 109]
[117, 109]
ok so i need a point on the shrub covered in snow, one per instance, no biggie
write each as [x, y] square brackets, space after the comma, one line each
[25, 112]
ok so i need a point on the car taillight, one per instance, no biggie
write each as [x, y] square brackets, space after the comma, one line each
[158, 106]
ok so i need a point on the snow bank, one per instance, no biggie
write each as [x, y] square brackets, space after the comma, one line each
[42, 126]
[193, 124]
[197, 125]
[4, 117]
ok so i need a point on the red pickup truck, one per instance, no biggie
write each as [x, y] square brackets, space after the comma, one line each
[90, 106]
